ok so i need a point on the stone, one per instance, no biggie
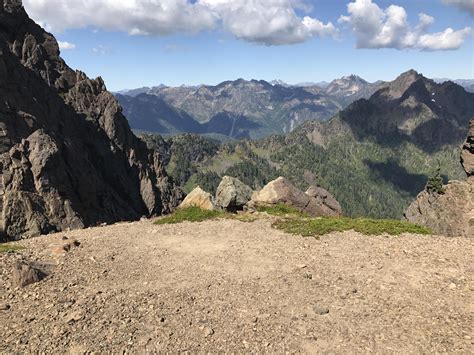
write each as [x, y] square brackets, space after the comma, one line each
[68, 158]
[26, 273]
[326, 200]
[282, 191]
[232, 194]
[207, 331]
[321, 310]
[198, 198]
[4, 307]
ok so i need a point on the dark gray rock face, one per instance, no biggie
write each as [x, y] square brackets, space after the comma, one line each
[467, 153]
[232, 194]
[68, 158]
[326, 200]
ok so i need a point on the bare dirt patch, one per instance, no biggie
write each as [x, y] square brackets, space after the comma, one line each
[231, 286]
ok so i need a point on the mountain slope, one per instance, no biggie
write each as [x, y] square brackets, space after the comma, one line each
[375, 156]
[239, 109]
[68, 158]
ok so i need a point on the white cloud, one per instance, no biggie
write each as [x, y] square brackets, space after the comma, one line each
[153, 17]
[66, 45]
[466, 5]
[389, 28]
[269, 22]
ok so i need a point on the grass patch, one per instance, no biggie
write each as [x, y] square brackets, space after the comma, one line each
[6, 248]
[282, 210]
[320, 226]
[196, 214]
[190, 214]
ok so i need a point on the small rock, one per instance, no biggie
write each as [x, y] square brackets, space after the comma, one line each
[308, 276]
[74, 316]
[4, 307]
[25, 273]
[207, 331]
[321, 310]
[452, 286]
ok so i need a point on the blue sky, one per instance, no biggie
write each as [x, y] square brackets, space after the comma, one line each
[209, 41]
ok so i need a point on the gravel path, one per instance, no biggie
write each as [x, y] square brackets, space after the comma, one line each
[243, 287]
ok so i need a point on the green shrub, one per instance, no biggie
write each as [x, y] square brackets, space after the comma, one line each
[435, 182]
[5, 248]
[309, 227]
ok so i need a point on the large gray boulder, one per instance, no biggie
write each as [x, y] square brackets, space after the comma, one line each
[282, 191]
[232, 194]
[68, 158]
[450, 213]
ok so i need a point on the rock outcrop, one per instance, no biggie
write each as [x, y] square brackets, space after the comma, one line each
[68, 158]
[452, 212]
[467, 153]
[198, 198]
[282, 191]
[232, 194]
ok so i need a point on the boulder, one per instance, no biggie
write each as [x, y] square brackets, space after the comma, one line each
[450, 213]
[282, 191]
[198, 198]
[232, 194]
[326, 200]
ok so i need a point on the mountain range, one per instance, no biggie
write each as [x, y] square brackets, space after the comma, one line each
[239, 109]
[374, 156]
[243, 109]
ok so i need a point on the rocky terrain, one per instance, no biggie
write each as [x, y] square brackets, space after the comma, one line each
[238, 287]
[449, 211]
[68, 158]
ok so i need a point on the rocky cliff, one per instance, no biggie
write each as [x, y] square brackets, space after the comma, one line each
[68, 158]
[450, 213]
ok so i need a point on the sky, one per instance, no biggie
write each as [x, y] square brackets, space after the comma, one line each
[136, 43]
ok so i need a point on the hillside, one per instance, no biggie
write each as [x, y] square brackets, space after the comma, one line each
[375, 156]
[229, 286]
[238, 109]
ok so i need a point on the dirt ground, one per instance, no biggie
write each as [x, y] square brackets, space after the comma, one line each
[241, 287]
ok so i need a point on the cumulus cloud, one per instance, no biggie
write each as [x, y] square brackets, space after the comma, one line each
[466, 5]
[389, 28]
[137, 17]
[269, 22]
[66, 45]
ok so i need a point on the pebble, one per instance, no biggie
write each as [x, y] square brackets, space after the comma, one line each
[452, 286]
[207, 331]
[4, 307]
[321, 310]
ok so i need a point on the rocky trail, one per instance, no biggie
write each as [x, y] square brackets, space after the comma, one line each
[244, 287]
